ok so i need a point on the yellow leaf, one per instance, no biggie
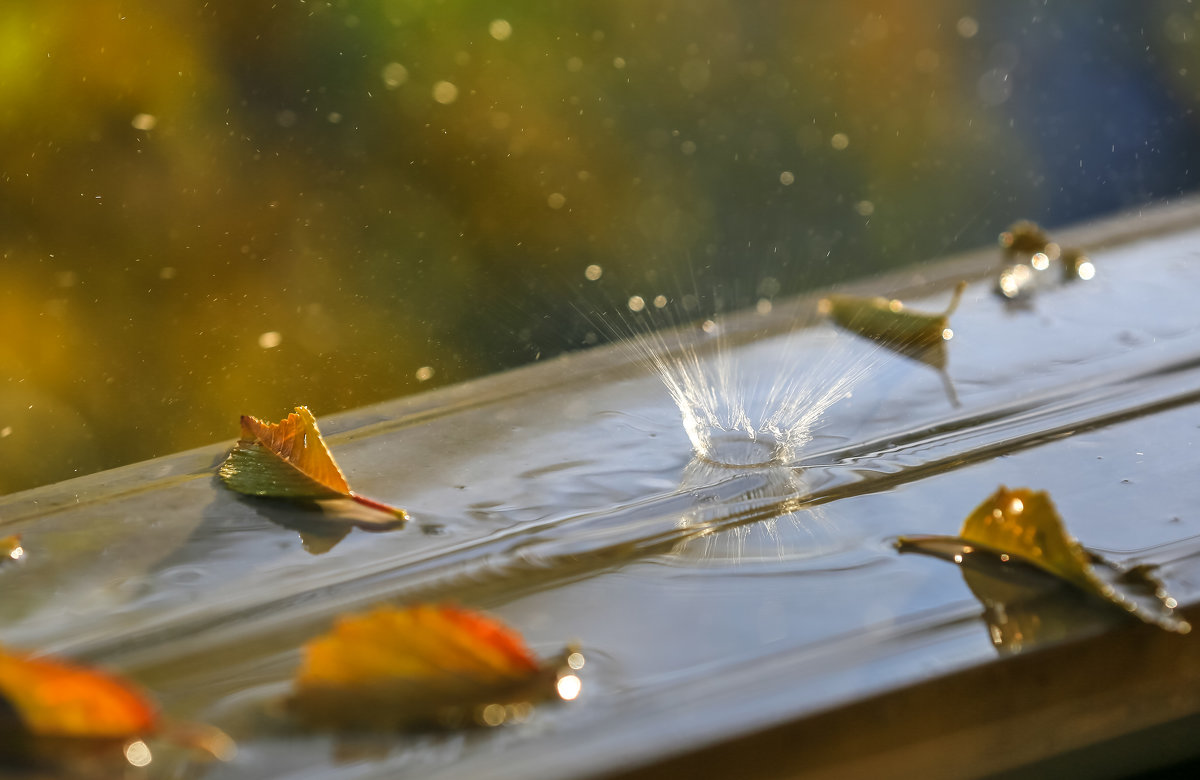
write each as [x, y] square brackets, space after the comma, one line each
[1020, 529]
[289, 459]
[427, 664]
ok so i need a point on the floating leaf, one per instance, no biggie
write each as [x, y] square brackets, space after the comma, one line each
[289, 459]
[1020, 529]
[887, 322]
[50, 709]
[11, 549]
[53, 698]
[423, 665]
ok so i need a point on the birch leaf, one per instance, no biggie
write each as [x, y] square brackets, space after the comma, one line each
[1020, 529]
[289, 459]
[422, 665]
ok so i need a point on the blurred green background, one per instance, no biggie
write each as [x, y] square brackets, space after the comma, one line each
[237, 206]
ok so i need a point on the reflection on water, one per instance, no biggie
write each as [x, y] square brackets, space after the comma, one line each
[781, 527]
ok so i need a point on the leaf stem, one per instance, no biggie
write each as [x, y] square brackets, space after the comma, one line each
[379, 505]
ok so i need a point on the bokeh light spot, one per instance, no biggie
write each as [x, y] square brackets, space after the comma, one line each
[500, 29]
[394, 74]
[569, 687]
[445, 93]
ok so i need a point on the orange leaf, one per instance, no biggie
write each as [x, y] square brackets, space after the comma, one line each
[422, 664]
[289, 459]
[11, 549]
[53, 698]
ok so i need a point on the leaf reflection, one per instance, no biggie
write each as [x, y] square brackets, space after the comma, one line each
[1031, 576]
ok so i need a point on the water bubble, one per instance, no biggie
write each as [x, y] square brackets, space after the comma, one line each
[865, 208]
[445, 93]
[763, 306]
[660, 301]
[556, 200]
[574, 64]
[500, 29]
[967, 27]
[593, 272]
[619, 63]
[424, 373]
[688, 147]
[636, 303]
[787, 178]
[839, 141]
